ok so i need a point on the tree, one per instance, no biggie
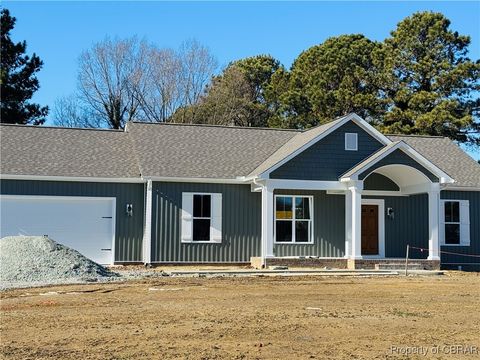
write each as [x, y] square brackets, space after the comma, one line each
[197, 66]
[111, 74]
[430, 84]
[228, 101]
[69, 111]
[18, 79]
[330, 80]
[125, 79]
[238, 96]
[162, 94]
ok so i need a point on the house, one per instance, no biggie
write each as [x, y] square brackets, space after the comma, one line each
[341, 194]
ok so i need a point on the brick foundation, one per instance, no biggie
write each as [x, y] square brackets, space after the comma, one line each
[370, 263]
[333, 263]
[341, 263]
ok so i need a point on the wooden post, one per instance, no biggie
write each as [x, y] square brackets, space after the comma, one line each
[406, 261]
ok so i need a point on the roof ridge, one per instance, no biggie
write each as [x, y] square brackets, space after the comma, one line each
[59, 127]
[217, 126]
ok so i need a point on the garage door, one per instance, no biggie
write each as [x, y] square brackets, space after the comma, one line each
[84, 224]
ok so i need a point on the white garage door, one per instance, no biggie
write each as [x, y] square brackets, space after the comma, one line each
[84, 224]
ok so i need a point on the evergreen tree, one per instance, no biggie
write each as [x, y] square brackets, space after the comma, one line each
[330, 80]
[18, 79]
[429, 83]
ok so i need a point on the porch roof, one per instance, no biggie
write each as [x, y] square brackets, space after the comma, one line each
[356, 172]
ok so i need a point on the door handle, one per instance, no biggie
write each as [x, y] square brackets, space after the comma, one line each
[106, 249]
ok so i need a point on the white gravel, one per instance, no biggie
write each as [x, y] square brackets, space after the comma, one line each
[30, 261]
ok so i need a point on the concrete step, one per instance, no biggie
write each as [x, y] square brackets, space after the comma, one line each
[398, 266]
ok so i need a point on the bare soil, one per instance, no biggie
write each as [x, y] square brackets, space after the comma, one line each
[246, 318]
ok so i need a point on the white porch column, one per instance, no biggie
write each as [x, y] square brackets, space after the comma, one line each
[356, 228]
[147, 231]
[267, 221]
[348, 224]
[433, 221]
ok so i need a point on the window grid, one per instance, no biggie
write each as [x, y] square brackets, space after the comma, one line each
[451, 222]
[294, 219]
[201, 217]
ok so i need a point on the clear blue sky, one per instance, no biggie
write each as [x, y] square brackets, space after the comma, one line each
[59, 31]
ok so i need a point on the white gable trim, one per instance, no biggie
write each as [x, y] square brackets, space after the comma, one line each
[350, 117]
[408, 150]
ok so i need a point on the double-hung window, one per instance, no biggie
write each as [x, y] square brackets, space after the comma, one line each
[293, 219]
[454, 222]
[201, 217]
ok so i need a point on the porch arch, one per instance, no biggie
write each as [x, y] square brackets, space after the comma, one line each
[405, 177]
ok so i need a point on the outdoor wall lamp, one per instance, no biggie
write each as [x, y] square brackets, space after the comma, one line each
[129, 210]
[390, 213]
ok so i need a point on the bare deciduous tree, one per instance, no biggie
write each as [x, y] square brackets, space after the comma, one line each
[121, 80]
[68, 111]
[197, 68]
[160, 96]
[110, 74]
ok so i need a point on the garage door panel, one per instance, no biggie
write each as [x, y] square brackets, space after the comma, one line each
[84, 224]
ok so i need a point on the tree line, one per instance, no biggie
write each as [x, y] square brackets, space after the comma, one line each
[419, 80]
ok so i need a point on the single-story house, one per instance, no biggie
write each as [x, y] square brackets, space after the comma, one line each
[341, 194]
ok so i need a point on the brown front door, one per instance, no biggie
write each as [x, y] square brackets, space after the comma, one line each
[369, 229]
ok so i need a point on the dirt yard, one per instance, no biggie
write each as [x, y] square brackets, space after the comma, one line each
[246, 318]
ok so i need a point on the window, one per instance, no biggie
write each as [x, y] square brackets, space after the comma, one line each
[351, 141]
[201, 218]
[293, 219]
[454, 222]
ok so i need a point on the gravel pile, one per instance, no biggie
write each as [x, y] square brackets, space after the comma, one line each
[27, 261]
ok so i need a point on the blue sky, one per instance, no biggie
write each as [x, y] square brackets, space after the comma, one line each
[59, 31]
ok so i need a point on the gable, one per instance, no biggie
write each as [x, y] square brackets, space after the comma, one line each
[327, 159]
[398, 157]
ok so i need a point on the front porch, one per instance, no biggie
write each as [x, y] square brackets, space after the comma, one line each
[364, 220]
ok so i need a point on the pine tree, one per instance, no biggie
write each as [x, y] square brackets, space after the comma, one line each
[18, 79]
[429, 83]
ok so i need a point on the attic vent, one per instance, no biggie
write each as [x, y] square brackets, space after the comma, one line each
[351, 141]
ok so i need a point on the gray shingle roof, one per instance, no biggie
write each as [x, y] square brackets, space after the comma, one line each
[446, 155]
[50, 151]
[203, 151]
[187, 151]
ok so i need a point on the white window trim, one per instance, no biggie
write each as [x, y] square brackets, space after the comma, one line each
[464, 238]
[310, 242]
[211, 218]
[381, 227]
[356, 142]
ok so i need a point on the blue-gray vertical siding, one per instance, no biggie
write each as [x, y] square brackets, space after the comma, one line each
[452, 260]
[128, 230]
[328, 227]
[408, 227]
[327, 159]
[376, 181]
[241, 224]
